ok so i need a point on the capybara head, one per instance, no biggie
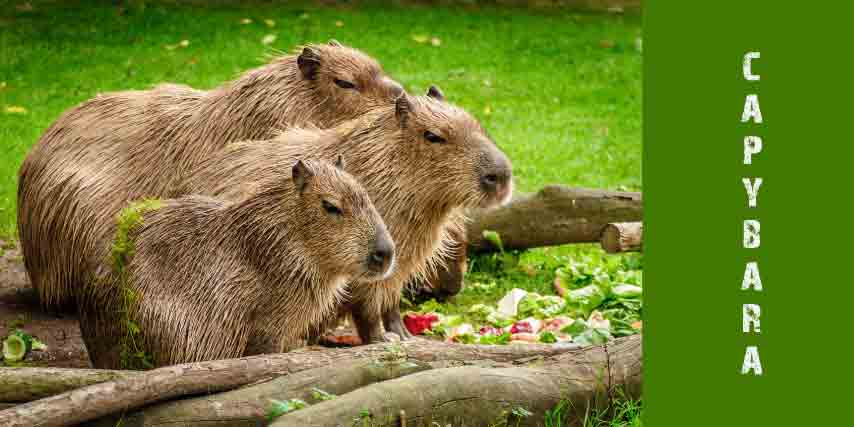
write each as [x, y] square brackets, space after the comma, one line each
[347, 78]
[336, 223]
[451, 146]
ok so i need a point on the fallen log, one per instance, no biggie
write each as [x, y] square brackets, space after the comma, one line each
[586, 379]
[622, 237]
[555, 215]
[251, 404]
[28, 384]
[171, 382]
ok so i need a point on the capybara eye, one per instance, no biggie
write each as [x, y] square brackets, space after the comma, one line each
[432, 137]
[343, 84]
[331, 209]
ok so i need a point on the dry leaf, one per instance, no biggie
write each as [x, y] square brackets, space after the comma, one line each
[245, 21]
[606, 44]
[339, 24]
[14, 109]
[270, 23]
[419, 38]
[268, 39]
[436, 42]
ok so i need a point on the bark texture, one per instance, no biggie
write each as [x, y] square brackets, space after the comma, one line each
[622, 237]
[27, 384]
[249, 406]
[487, 396]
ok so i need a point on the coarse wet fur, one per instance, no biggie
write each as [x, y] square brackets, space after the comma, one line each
[421, 161]
[213, 279]
[125, 146]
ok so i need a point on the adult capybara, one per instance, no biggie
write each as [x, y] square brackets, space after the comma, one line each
[198, 278]
[420, 160]
[125, 146]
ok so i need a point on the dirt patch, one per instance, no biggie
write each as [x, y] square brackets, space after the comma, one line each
[19, 308]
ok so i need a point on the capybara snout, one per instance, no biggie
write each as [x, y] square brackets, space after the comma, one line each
[496, 176]
[380, 261]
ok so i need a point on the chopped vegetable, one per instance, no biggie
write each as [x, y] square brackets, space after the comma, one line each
[548, 337]
[18, 344]
[418, 323]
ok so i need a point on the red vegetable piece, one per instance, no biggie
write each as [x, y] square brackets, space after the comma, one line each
[521, 326]
[418, 323]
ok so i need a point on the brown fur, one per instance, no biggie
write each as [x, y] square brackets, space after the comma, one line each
[126, 146]
[417, 186]
[217, 279]
[447, 279]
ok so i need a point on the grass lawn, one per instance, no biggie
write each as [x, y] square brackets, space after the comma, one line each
[560, 92]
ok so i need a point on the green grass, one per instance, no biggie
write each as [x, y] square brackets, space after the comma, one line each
[560, 92]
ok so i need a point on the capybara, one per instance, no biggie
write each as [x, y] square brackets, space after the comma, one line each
[125, 146]
[421, 160]
[212, 279]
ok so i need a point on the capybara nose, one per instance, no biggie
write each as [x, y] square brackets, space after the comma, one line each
[381, 259]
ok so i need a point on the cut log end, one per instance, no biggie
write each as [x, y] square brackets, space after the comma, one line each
[622, 237]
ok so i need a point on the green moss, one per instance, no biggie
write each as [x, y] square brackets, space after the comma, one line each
[129, 218]
[133, 355]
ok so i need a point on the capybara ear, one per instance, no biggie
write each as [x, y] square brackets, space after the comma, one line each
[435, 93]
[335, 43]
[339, 163]
[301, 174]
[309, 63]
[402, 107]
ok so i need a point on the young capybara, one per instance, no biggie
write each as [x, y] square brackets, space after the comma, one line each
[210, 279]
[126, 146]
[421, 160]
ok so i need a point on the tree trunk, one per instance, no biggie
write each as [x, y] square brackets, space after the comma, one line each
[249, 406]
[170, 382]
[586, 379]
[622, 237]
[555, 215]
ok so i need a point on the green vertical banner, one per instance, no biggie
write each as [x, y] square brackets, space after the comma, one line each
[699, 117]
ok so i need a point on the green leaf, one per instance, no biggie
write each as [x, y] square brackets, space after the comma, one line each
[548, 337]
[279, 408]
[627, 291]
[491, 339]
[575, 328]
[593, 336]
[521, 412]
[319, 394]
[494, 238]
